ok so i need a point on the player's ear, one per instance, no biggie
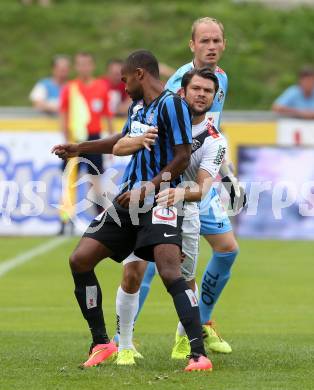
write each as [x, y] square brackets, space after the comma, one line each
[225, 44]
[191, 45]
[140, 73]
[181, 92]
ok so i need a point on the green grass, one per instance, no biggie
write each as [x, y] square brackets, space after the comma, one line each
[266, 313]
[265, 47]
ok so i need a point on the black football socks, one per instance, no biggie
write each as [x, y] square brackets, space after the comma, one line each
[89, 297]
[187, 308]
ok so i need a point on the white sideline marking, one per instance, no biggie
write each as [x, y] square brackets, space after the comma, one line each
[14, 262]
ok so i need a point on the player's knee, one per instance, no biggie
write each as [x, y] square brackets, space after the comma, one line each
[227, 246]
[77, 263]
[167, 277]
[168, 261]
[169, 273]
[131, 281]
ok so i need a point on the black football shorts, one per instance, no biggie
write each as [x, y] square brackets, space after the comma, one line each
[115, 230]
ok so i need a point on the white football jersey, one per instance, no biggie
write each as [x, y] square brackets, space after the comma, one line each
[209, 152]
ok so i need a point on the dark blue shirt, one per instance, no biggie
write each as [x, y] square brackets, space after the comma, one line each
[170, 114]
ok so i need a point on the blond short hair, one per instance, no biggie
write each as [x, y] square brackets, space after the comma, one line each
[207, 20]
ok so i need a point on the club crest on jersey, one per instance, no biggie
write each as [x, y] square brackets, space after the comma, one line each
[150, 118]
[220, 95]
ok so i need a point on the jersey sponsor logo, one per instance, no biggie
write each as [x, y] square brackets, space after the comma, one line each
[220, 155]
[150, 119]
[208, 286]
[138, 129]
[165, 216]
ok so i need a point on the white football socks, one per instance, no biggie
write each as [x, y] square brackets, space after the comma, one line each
[126, 307]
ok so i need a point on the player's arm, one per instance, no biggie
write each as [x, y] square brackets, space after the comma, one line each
[128, 145]
[101, 146]
[212, 157]
[171, 196]
[181, 159]
[174, 169]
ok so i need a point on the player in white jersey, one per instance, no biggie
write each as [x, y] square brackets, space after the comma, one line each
[208, 44]
[209, 146]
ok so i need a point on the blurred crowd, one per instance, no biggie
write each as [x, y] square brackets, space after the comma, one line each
[46, 96]
[48, 93]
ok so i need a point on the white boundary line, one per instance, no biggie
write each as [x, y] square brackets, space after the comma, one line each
[16, 261]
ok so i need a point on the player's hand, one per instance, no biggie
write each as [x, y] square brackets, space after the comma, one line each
[135, 196]
[149, 138]
[66, 151]
[237, 193]
[170, 196]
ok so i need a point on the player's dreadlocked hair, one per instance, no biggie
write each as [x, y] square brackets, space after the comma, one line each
[205, 73]
[143, 59]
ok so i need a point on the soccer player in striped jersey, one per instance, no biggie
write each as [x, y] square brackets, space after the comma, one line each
[199, 87]
[208, 44]
[157, 234]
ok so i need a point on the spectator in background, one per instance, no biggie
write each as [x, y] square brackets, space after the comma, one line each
[298, 100]
[45, 94]
[84, 102]
[119, 100]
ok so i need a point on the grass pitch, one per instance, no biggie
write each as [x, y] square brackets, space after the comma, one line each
[266, 313]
